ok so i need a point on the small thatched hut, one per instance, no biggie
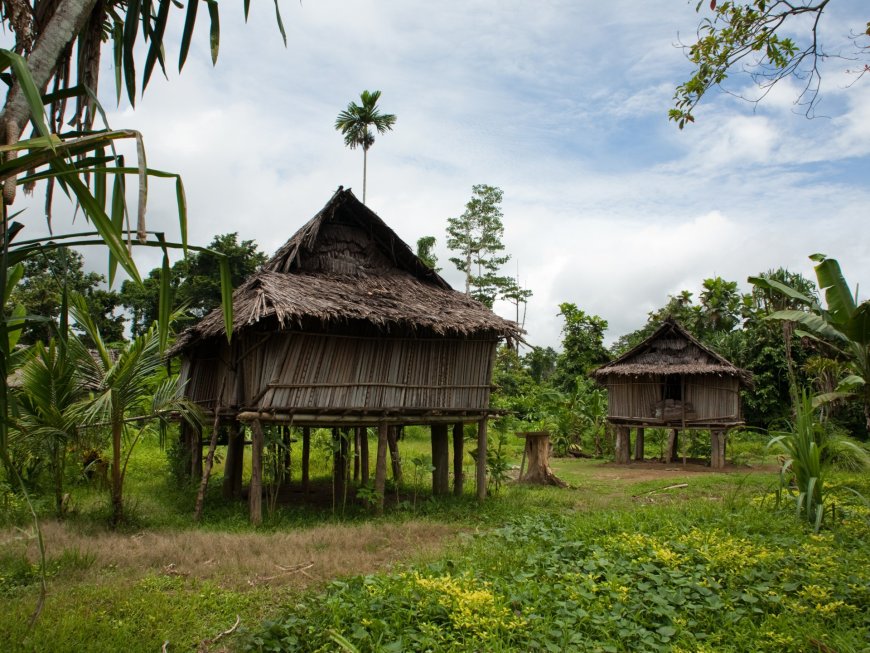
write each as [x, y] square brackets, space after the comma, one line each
[345, 327]
[671, 380]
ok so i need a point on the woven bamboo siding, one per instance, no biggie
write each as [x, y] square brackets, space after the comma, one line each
[294, 371]
[713, 396]
[710, 396]
[202, 380]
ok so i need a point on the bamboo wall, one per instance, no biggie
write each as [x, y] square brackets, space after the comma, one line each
[708, 397]
[302, 372]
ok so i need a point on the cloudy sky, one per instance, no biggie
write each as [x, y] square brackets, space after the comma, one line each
[562, 104]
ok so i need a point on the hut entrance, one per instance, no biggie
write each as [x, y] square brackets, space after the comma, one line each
[673, 387]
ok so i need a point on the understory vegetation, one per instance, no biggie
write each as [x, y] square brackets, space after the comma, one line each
[625, 558]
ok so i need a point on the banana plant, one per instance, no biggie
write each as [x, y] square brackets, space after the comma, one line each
[841, 324]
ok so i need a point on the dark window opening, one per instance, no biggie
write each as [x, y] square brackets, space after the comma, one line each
[674, 387]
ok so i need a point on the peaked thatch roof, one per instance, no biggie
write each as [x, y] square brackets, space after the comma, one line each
[347, 265]
[671, 350]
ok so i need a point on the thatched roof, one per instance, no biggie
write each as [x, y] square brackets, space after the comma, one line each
[671, 350]
[346, 265]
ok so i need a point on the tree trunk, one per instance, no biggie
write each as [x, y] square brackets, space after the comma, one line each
[67, 20]
[306, 457]
[440, 459]
[255, 494]
[209, 461]
[381, 466]
[639, 444]
[622, 447]
[537, 455]
[458, 453]
[195, 453]
[481, 459]
[392, 440]
[365, 170]
[117, 496]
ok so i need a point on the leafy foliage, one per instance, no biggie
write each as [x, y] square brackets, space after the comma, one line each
[770, 40]
[582, 345]
[476, 236]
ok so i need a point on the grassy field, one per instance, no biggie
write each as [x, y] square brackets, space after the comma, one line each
[627, 558]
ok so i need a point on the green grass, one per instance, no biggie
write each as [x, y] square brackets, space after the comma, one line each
[615, 558]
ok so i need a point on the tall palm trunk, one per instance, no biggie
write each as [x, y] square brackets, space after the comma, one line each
[117, 498]
[365, 167]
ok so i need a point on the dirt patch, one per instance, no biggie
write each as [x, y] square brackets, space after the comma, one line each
[650, 470]
[299, 559]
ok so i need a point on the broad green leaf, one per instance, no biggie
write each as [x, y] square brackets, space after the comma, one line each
[155, 52]
[131, 30]
[118, 211]
[858, 326]
[100, 220]
[118, 52]
[187, 32]
[811, 321]
[13, 275]
[181, 200]
[143, 188]
[278, 19]
[776, 286]
[838, 297]
[247, 9]
[14, 325]
[215, 29]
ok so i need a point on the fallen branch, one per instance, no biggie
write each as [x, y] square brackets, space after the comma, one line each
[661, 489]
[285, 571]
[204, 644]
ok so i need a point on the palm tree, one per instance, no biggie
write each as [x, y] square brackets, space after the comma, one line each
[355, 121]
[129, 391]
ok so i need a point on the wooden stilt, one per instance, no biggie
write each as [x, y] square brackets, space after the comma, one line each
[255, 493]
[392, 440]
[288, 450]
[195, 453]
[231, 461]
[239, 467]
[339, 464]
[440, 459]
[364, 456]
[639, 444]
[356, 454]
[458, 453]
[481, 459]
[672, 449]
[622, 447]
[714, 450]
[209, 461]
[306, 456]
[381, 466]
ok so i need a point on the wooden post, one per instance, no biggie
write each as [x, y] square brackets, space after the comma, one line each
[339, 463]
[717, 449]
[364, 456]
[639, 444]
[622, 447]
[209, 461]
[255, 493]
[306, 456]
[392, 440]
[481, 459]
[356, 454]
[673, 446]
[232, 460]
[381, 465]
[440, 459]
[195, 453]
[239, 467]
[458, 453]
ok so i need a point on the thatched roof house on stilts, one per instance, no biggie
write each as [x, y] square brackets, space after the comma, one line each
[672, 381]
[346, 328]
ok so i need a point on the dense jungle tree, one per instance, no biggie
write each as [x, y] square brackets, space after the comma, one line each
[476, 236]
[195, 281]
[582, 346]
[356, 123]
[769, 40]
[47, 276]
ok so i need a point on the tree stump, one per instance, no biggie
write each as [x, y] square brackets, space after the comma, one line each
[537, 454]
